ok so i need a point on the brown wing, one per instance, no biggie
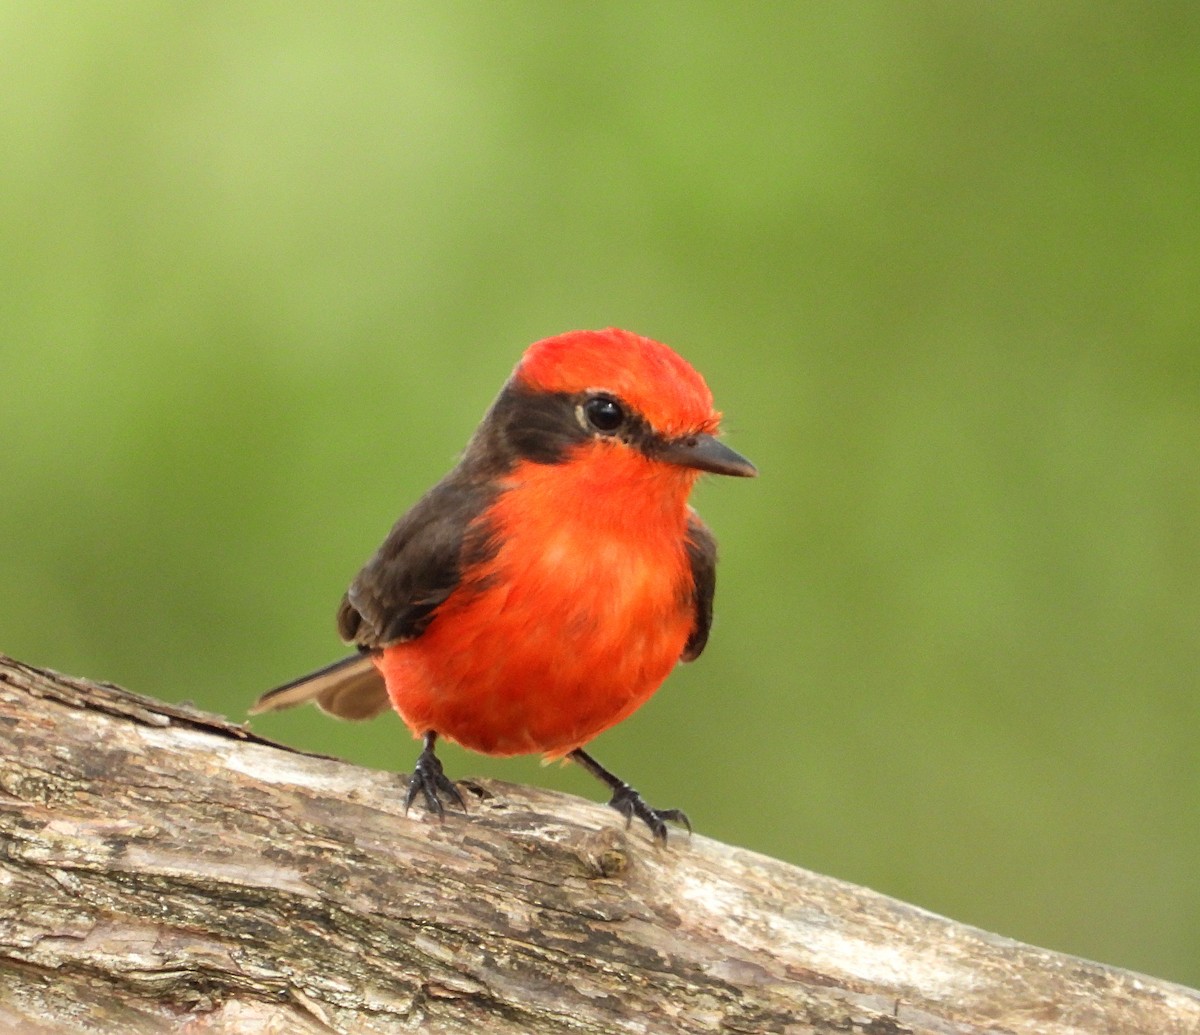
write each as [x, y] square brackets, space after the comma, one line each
[702, 553]
[419, 565]
[396, 595]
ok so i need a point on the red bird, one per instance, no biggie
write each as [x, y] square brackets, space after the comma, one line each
[546, 586]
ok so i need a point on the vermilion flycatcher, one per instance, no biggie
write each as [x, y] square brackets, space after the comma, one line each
[544, 589]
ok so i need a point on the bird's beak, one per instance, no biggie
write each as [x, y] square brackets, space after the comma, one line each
[705, 453]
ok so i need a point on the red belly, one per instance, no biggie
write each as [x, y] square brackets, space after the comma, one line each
[548, 654]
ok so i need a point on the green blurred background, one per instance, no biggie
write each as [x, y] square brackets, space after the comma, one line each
[266, 264]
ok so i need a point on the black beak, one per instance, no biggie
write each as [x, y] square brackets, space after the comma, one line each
[705, 453]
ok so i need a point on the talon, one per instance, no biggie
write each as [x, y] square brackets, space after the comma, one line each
[430, 781]
[629, 803]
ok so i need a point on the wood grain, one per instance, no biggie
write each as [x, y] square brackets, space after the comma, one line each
[165, 870]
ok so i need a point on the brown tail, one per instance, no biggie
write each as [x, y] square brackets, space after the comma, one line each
[350, 689]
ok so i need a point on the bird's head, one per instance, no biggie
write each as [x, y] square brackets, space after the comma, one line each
[610, 394]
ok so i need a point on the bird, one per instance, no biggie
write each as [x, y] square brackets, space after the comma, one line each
[545, 588]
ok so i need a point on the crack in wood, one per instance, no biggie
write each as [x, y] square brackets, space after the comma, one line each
[166, 870]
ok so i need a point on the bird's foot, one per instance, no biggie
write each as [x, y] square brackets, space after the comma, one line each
[430, 781]
[629, 803]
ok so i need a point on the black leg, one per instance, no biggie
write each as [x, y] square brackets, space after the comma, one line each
[628, 802]
[431, 782]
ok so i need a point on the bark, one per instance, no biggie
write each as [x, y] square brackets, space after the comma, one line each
[165, 870]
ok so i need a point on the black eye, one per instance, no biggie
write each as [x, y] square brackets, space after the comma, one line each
[603, 413]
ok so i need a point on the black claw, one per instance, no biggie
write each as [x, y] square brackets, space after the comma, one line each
[629, 803]
[430, 781]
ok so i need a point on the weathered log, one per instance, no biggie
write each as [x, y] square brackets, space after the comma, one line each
[165, 870]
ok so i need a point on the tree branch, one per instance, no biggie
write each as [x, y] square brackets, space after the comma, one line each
[162, 869]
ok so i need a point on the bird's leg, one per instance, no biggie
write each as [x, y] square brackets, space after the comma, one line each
[628, 802]
[431, 782]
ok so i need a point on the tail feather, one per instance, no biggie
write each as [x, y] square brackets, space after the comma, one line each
[349, 689]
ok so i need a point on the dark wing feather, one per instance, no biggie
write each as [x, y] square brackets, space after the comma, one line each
[396, 595]
[420, 563]
[702, 554]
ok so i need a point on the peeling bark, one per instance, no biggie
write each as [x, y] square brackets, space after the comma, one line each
[165, 870]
